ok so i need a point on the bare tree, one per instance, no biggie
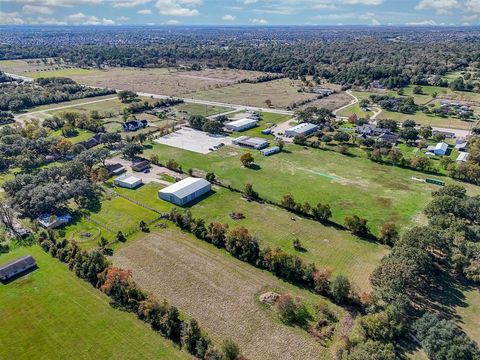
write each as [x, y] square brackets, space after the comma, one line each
[7, 217]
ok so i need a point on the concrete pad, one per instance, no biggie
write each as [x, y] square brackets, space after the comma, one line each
[193, 140]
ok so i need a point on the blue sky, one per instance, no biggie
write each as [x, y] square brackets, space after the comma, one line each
[240, 12]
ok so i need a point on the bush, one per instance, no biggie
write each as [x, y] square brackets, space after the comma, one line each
[291, 310]
[341, 289]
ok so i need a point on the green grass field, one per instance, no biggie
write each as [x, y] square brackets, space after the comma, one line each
[351, 185]
[198, 109]
[82, 135]
[51, 314]
[326, 246]
[60, 73]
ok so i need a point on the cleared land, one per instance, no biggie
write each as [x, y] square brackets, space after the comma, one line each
[51, 314]
[331, 102]
[351, 185]
[326, 246]
[282, 93]
[219, 291]
[35, 68]
[164, 81]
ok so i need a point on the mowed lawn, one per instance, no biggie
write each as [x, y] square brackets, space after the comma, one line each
[351, 185]
[274, 227]
[51, 314]
[219, 291]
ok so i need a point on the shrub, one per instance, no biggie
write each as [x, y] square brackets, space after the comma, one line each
[291, 310]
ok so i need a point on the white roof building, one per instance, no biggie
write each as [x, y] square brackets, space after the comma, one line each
[241, 125]
[301, 130]
[185, 191]
[463, 157]
[441, 148]
[251, 142]
[128, 181]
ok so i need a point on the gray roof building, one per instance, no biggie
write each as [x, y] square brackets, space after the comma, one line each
[302, 129]
[185, 191]
[251, 142]
[15, 267]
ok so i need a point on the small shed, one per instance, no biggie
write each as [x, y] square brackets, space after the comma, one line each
[462, 157]
[128, 181]
[440, 149]
[270, 151]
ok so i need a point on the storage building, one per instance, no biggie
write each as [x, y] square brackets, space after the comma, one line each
[251, 142]
[241, 125]
[440, 149]
[302, 129]
[128, 181]
[15, 267]
[270, 151]
[185, 191]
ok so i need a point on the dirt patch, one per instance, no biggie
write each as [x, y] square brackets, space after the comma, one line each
[219, 291]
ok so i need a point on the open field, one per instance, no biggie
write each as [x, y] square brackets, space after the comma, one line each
[34, 69]
[470, 314]
[51, 314]
[282, 93]
[199, 109]
[82, 135]
[331, 102]
[274, 227]
[351, 185]
[164, 81]
[219, 291]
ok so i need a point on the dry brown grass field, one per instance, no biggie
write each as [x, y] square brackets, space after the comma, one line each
[220, 292]
[164, 81]
[331, 102]
[281, 93]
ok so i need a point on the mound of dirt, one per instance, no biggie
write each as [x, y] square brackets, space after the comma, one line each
[269, 298]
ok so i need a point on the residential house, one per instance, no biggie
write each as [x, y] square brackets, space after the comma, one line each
[134, 125]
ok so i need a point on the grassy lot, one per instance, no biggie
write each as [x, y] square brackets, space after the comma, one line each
[82, 135]
[61, 73]
[75, 103]
[220, 291]
[354, 109]
[344, 253]
[469, 313]
[115, 214]
[380, 193]
[51, 314]
[282, 93]
[198, 109]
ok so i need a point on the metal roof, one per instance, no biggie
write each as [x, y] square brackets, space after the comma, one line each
[463, 156]
[303, 127]
[185, 187]
[241, 122]
[24, 262]
[128, 179]
[441, 146]
[251, 141]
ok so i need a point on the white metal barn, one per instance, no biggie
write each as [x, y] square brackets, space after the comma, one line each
[185, 191]
[302, 129]
[241, 125]
[128, 181]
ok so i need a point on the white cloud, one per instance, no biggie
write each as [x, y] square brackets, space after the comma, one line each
[228, 17]
[82, 19]
[473, 5]
[375, 22]
[259, 21]
[442, 7]
[178, 7]
[173, 22]
[37, 9]
[122, 18]
[11, 18]
[128, 3]
[57, 3]
[144, 12]
[423, 23]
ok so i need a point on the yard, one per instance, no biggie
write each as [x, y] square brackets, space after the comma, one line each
[51, 314]
[220, 291]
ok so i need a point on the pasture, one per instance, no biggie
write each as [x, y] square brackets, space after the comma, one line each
[51, 314]
[220, 291]
[326, 246]
[164, 81]
[282, 93]
[351, 185]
